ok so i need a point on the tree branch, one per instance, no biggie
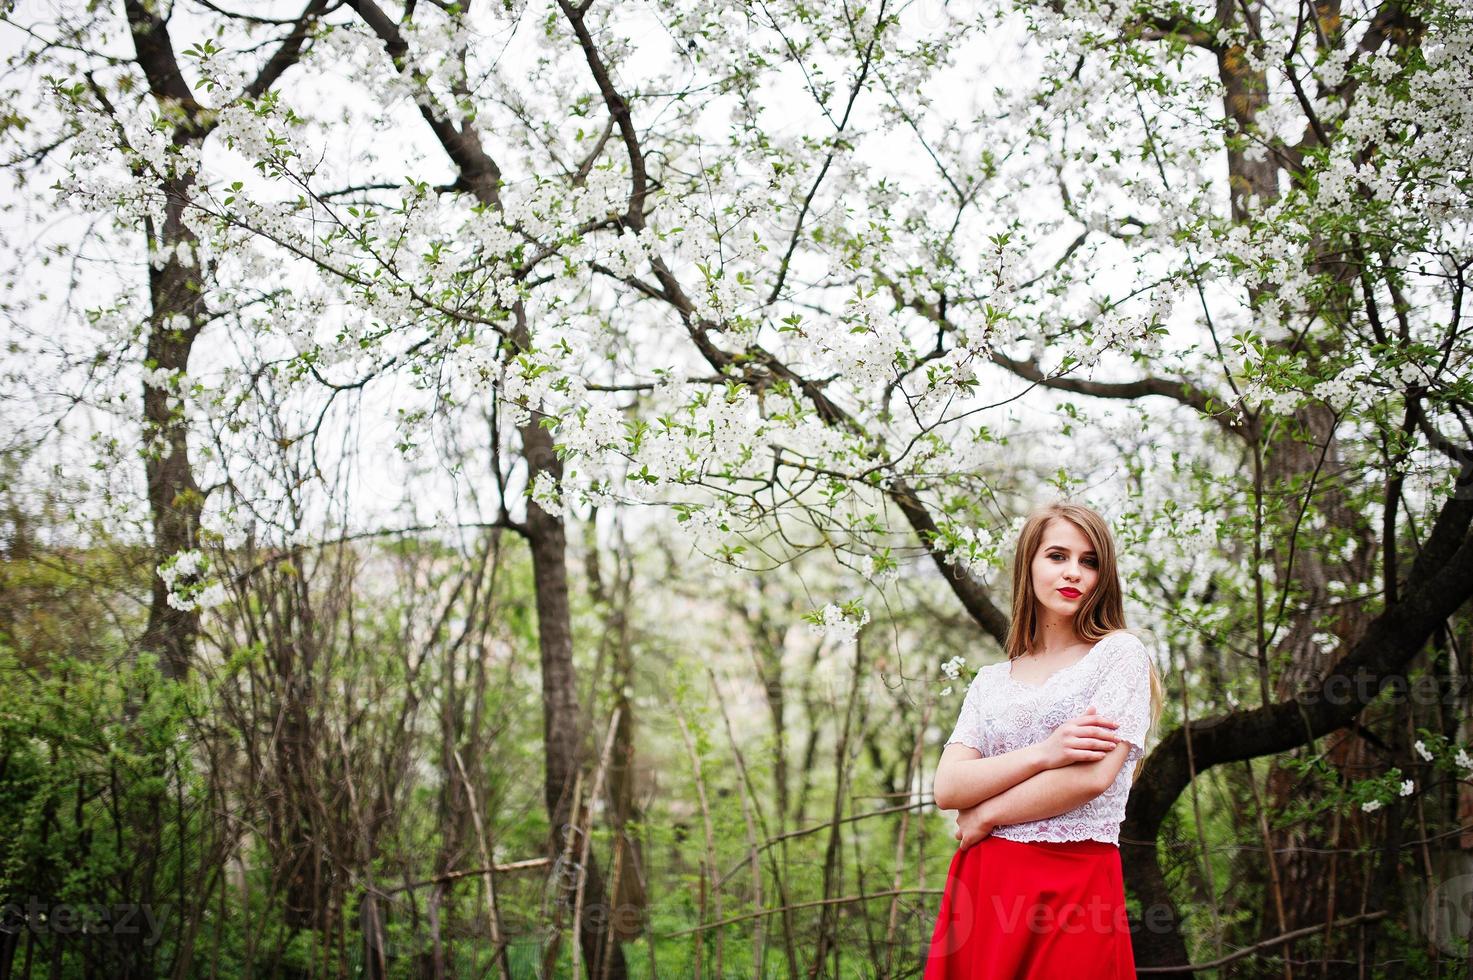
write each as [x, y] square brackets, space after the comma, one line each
[290, 51]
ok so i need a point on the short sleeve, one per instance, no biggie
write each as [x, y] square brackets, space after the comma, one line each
[971, 726]
[1123, 694]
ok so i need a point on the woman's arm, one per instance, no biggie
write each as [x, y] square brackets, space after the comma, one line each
[1054, 791]
[964, 777]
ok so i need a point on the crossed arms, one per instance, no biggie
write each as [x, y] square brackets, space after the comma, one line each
[1032, 783]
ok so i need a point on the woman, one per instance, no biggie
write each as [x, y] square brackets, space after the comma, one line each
[1040, 766]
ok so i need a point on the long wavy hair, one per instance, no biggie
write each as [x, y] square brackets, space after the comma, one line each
[1102, 611]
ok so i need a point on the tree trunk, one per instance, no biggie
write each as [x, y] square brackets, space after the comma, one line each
[176, 297]
[563, 720]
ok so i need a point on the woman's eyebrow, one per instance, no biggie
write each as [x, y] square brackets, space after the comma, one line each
[1059, 547]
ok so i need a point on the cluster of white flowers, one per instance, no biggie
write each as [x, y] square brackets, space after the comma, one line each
[1107, 17]
[435, 42]
[624, 255]
[184, 564]
[724, 427]
[977, 549]
[1111, 330]
[222, 524]
[1417, 130]
[1331, 69]
[544, 493]
[867, 568]
[1406, 788]
[524, 385]
[163, 378]
[591, 429]
[945, 379]
[183, 574]
[277, 221]
[1336, 180]
[861, 344]
[838, 625]
[722, 298]
[1461, 759]
[1392, 781]
[251, 131]
[710, 527]
[1007, 263]
[810, 438]
[1338, 392]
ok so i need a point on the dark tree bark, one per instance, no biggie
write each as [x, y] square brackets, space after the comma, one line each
[176, 287]
[178, 310]
[563, 721]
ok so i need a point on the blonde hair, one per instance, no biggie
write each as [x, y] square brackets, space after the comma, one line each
[1102, 611]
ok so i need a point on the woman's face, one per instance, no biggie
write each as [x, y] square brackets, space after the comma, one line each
[1065, 567]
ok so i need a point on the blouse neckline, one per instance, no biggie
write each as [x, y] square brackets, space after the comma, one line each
[1008, 667]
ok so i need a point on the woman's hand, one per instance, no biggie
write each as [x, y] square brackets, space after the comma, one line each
[1087, 738]
[973, 824]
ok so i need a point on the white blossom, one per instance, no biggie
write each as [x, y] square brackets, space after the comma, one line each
[838, 625]
[545, 494]
[183, 574]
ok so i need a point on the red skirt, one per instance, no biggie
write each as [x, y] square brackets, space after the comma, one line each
[1033, 910]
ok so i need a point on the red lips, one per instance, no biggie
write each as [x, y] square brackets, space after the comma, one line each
[1070, 593]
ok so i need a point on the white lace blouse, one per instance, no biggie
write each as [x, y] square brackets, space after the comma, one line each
[1000, 714]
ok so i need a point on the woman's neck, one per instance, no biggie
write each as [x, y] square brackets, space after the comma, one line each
[1052, 634]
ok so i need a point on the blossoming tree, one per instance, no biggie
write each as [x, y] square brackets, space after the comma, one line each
[860, 279]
